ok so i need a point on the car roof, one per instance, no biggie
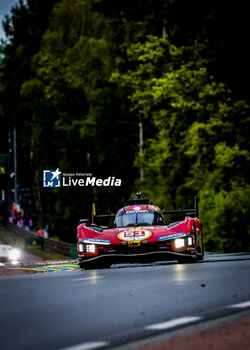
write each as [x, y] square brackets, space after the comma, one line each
[139, 207]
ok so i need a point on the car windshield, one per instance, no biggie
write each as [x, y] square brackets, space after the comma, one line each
[138, 218]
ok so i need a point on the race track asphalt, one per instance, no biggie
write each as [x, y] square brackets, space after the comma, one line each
[106, 308]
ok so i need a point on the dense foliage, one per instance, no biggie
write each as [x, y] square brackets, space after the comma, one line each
[82, 79]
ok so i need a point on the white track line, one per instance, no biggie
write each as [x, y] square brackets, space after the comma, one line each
[240, 305]
[87, 346]
[173, 323]
[93, 278]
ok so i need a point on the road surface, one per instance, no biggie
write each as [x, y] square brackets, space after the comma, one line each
[106, 308]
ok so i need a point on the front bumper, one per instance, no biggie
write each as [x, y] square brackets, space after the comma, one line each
[148, 257]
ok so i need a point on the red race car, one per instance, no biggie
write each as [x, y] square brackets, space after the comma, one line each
[140, 235]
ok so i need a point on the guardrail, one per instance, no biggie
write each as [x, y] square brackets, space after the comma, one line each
[49, 245]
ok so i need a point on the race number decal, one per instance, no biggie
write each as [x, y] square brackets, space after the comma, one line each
[137, 235]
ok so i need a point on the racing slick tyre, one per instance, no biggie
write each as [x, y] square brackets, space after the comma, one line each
[200, 257]
[201, 251]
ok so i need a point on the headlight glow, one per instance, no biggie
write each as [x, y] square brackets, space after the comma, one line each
[190, 241]
[14, 254]
[81, 248]
[90, 248]
[179, 243]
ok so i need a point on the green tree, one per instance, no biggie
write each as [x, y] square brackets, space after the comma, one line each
[200, 143]
[24, 29]
[220, 153]
[169, 90]
[79, 121]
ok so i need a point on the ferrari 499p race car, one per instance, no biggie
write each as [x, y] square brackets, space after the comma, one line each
[140, 235]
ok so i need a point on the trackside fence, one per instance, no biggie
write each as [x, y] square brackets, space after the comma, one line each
[47, 244]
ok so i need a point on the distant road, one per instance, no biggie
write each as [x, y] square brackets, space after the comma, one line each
[106, 308]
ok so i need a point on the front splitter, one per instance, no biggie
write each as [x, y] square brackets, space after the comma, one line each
[136, 258]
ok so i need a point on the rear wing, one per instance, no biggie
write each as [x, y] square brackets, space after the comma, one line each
[192, 211]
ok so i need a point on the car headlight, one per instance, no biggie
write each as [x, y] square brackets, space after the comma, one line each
[90, 248]
[87, 248]
[81, 248]
[14, 254]
[179, 243]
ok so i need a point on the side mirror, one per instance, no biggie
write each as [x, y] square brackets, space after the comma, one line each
[83, 221]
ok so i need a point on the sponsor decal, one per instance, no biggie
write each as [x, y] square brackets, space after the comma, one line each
[175, 235]
[134, 235]
[100, 241]
[140, 211]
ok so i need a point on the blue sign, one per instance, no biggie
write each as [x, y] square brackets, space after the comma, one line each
[52, 178]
